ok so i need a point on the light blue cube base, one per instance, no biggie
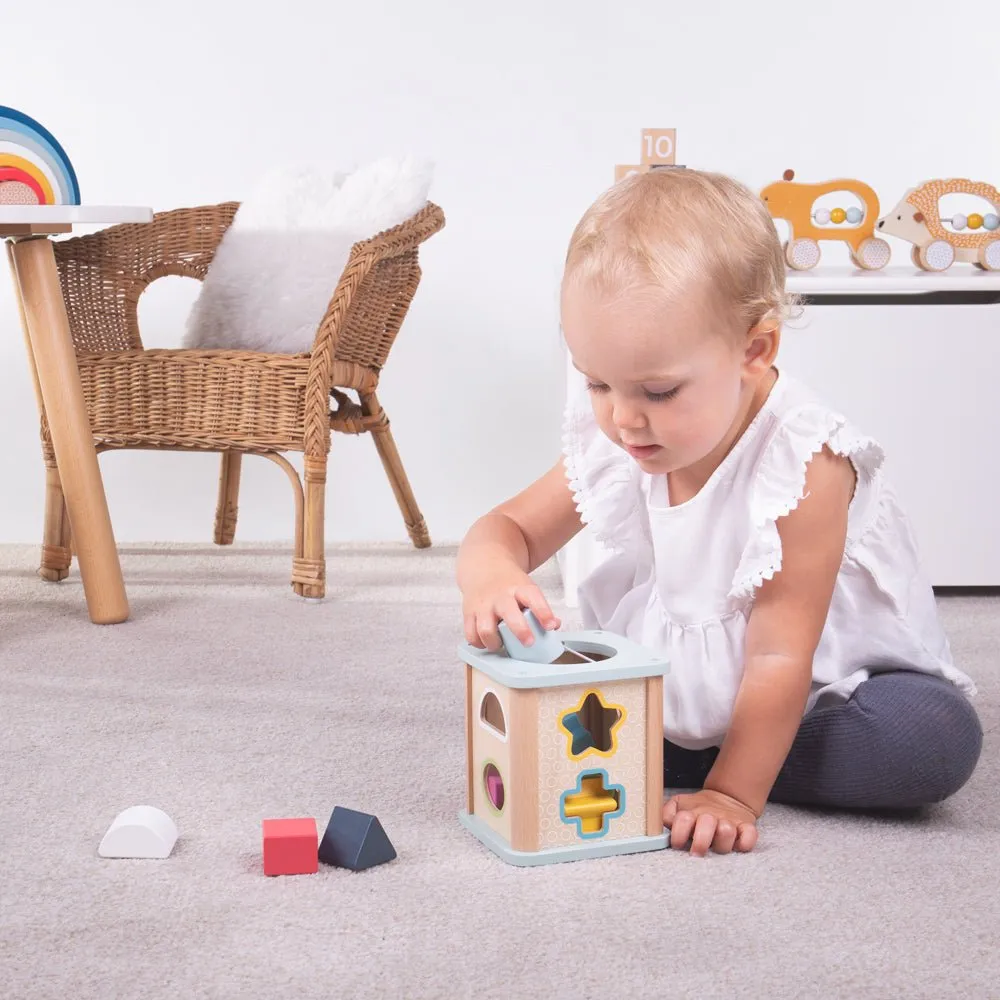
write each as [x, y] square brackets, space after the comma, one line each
[552, 855]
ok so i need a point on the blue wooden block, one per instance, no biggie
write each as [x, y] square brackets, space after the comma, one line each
[582, 737]
[354, 840]
[547, 647]
[40, 148]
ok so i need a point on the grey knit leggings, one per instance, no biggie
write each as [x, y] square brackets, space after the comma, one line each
[902, 740]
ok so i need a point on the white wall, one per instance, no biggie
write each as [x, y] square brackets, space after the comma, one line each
[525, 108]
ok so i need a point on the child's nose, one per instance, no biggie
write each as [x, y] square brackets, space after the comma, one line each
[628, 416]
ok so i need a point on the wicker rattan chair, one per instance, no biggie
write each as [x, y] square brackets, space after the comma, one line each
[234, 402]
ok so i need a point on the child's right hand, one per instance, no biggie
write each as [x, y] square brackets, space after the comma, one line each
[501, 597]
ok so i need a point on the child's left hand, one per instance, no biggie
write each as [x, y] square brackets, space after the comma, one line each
[710, 820]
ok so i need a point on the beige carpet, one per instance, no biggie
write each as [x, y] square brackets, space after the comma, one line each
[225, 700]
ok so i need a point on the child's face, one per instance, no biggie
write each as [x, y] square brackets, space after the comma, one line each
[666, 382]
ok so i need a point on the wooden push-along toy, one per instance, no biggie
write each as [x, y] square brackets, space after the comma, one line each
[658, 151]
[564, 746]
[34, 169]
[973, 238]
[794, 202]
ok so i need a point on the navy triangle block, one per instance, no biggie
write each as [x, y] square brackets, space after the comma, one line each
[354, 840]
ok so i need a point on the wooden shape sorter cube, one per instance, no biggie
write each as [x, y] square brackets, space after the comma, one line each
[565, 759]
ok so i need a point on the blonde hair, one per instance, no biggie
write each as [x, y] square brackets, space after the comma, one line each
[675, 227]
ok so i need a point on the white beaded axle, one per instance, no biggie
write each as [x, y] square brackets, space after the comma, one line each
[853, 215]
[974, 221]
[958, 221]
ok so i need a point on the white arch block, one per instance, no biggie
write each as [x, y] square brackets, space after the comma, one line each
[139, 832]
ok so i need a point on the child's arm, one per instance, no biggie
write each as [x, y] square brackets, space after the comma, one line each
[503, 547]
[785, 627]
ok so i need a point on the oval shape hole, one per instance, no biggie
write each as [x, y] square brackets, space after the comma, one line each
[493, 783]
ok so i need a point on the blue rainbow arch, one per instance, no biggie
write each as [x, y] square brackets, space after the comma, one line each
[39, 148]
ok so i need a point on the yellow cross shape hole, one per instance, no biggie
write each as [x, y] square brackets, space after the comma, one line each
[590, 804]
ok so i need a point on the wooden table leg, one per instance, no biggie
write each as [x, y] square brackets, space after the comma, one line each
[69, 424]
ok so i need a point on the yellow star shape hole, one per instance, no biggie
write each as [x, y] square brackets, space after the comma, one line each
[592, 726]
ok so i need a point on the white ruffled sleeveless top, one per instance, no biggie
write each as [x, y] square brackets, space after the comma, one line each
[682, 579]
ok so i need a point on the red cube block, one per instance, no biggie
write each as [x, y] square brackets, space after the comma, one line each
[291, 846]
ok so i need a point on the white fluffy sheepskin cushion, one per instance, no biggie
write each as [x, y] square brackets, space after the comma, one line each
[278, 264]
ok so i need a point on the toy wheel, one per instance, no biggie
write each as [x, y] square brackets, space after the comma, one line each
[802, 254]
[989, 256]
[938, 255]
[872, 254]
[915, 256]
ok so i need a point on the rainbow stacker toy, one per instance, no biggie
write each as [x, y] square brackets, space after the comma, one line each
[564, 742]
[34, 169]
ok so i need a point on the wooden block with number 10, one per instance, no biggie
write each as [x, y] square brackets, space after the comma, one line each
[659, 146]
[623, 170]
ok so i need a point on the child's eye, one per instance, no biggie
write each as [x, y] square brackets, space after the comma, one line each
[653, 397]
[659, 397]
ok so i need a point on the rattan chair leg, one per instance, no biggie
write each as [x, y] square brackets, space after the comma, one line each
[293, 478]
[56, 552]
[227, 509]
[391, 462]
[309, 569]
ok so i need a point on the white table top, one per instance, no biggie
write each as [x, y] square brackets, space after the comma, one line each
[845, 279]
[58, 215]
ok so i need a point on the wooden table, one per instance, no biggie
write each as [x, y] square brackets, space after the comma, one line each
[57, 383]
[825, 285]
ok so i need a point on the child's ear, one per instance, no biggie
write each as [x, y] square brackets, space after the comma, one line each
[761, 347]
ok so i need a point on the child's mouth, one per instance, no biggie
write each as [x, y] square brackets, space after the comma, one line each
[645, 451]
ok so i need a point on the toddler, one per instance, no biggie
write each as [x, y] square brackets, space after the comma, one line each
[753, 539]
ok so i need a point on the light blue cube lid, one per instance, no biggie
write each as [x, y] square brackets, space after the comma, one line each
[596, 655]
